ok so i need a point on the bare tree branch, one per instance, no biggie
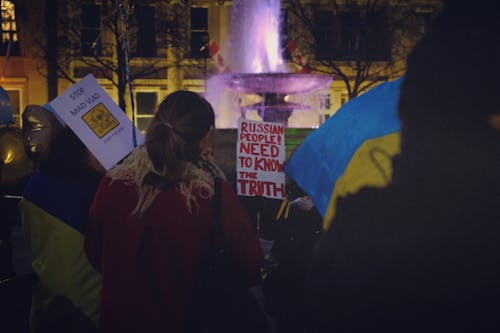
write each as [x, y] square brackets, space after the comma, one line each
[360, 42]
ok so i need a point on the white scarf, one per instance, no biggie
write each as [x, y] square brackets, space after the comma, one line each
[137, 165]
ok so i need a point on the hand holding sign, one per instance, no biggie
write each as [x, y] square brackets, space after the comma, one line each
[96, 119]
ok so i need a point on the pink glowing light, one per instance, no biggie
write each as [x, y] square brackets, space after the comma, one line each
[259, 85]
[256, 39]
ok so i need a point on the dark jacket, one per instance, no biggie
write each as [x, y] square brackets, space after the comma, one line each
[422, 254]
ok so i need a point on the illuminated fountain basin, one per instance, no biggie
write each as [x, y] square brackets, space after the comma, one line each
[289, 98]
[274, 90]
[259, 86]
[281, 83]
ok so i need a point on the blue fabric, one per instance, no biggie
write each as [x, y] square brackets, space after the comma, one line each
[325, 153]
[6, 117]
[65, 199]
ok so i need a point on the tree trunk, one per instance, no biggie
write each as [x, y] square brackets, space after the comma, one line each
[122, 77]
[121, 62]
[51, 35]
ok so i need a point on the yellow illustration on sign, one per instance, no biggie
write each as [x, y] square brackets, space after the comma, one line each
[100, 120]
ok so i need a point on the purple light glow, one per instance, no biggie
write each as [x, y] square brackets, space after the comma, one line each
[285, 83]
[260, 87]
[255, 40]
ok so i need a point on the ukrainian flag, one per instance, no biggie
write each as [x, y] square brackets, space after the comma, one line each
[351, 150]
[54, 214]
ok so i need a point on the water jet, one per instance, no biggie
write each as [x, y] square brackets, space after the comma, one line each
[259, 79]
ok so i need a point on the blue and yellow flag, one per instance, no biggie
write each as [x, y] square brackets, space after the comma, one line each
[54, 215]
[352, 149]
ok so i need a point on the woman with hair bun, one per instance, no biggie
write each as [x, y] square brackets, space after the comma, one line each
[151, 219]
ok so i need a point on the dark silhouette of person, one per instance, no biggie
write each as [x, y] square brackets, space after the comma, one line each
[294, 226]
[15, 170]
[422, 255]
[54, 214]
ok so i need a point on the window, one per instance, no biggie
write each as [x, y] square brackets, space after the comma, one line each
[376, 40]
[146, 104]
[90, 31]
[351, 35]
[199, 32]
[324, 102]
[284, 35]
[146, 41]
[10, 38]
[324, 35]
[343, 98]
[423, 16]
[15, 103]
[324, 106]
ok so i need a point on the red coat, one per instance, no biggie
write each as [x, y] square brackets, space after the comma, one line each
[148, 264]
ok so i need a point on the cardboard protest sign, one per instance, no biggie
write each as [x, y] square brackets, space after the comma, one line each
[96, 119]
[260, 154]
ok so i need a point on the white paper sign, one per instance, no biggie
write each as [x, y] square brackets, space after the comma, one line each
[260, 154]
[96, 119]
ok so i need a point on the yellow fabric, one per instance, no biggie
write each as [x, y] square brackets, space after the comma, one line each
[59, 260]
[287, 210]
[284, 205]
[370, 166]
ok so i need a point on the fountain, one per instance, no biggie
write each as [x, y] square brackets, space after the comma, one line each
[259, 86]
[259, 79]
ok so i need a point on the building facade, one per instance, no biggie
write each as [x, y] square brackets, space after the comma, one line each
[163, 46]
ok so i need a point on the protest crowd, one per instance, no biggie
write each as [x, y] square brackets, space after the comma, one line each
[163, 242]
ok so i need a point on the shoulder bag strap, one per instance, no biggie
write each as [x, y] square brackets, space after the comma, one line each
[217, 224]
